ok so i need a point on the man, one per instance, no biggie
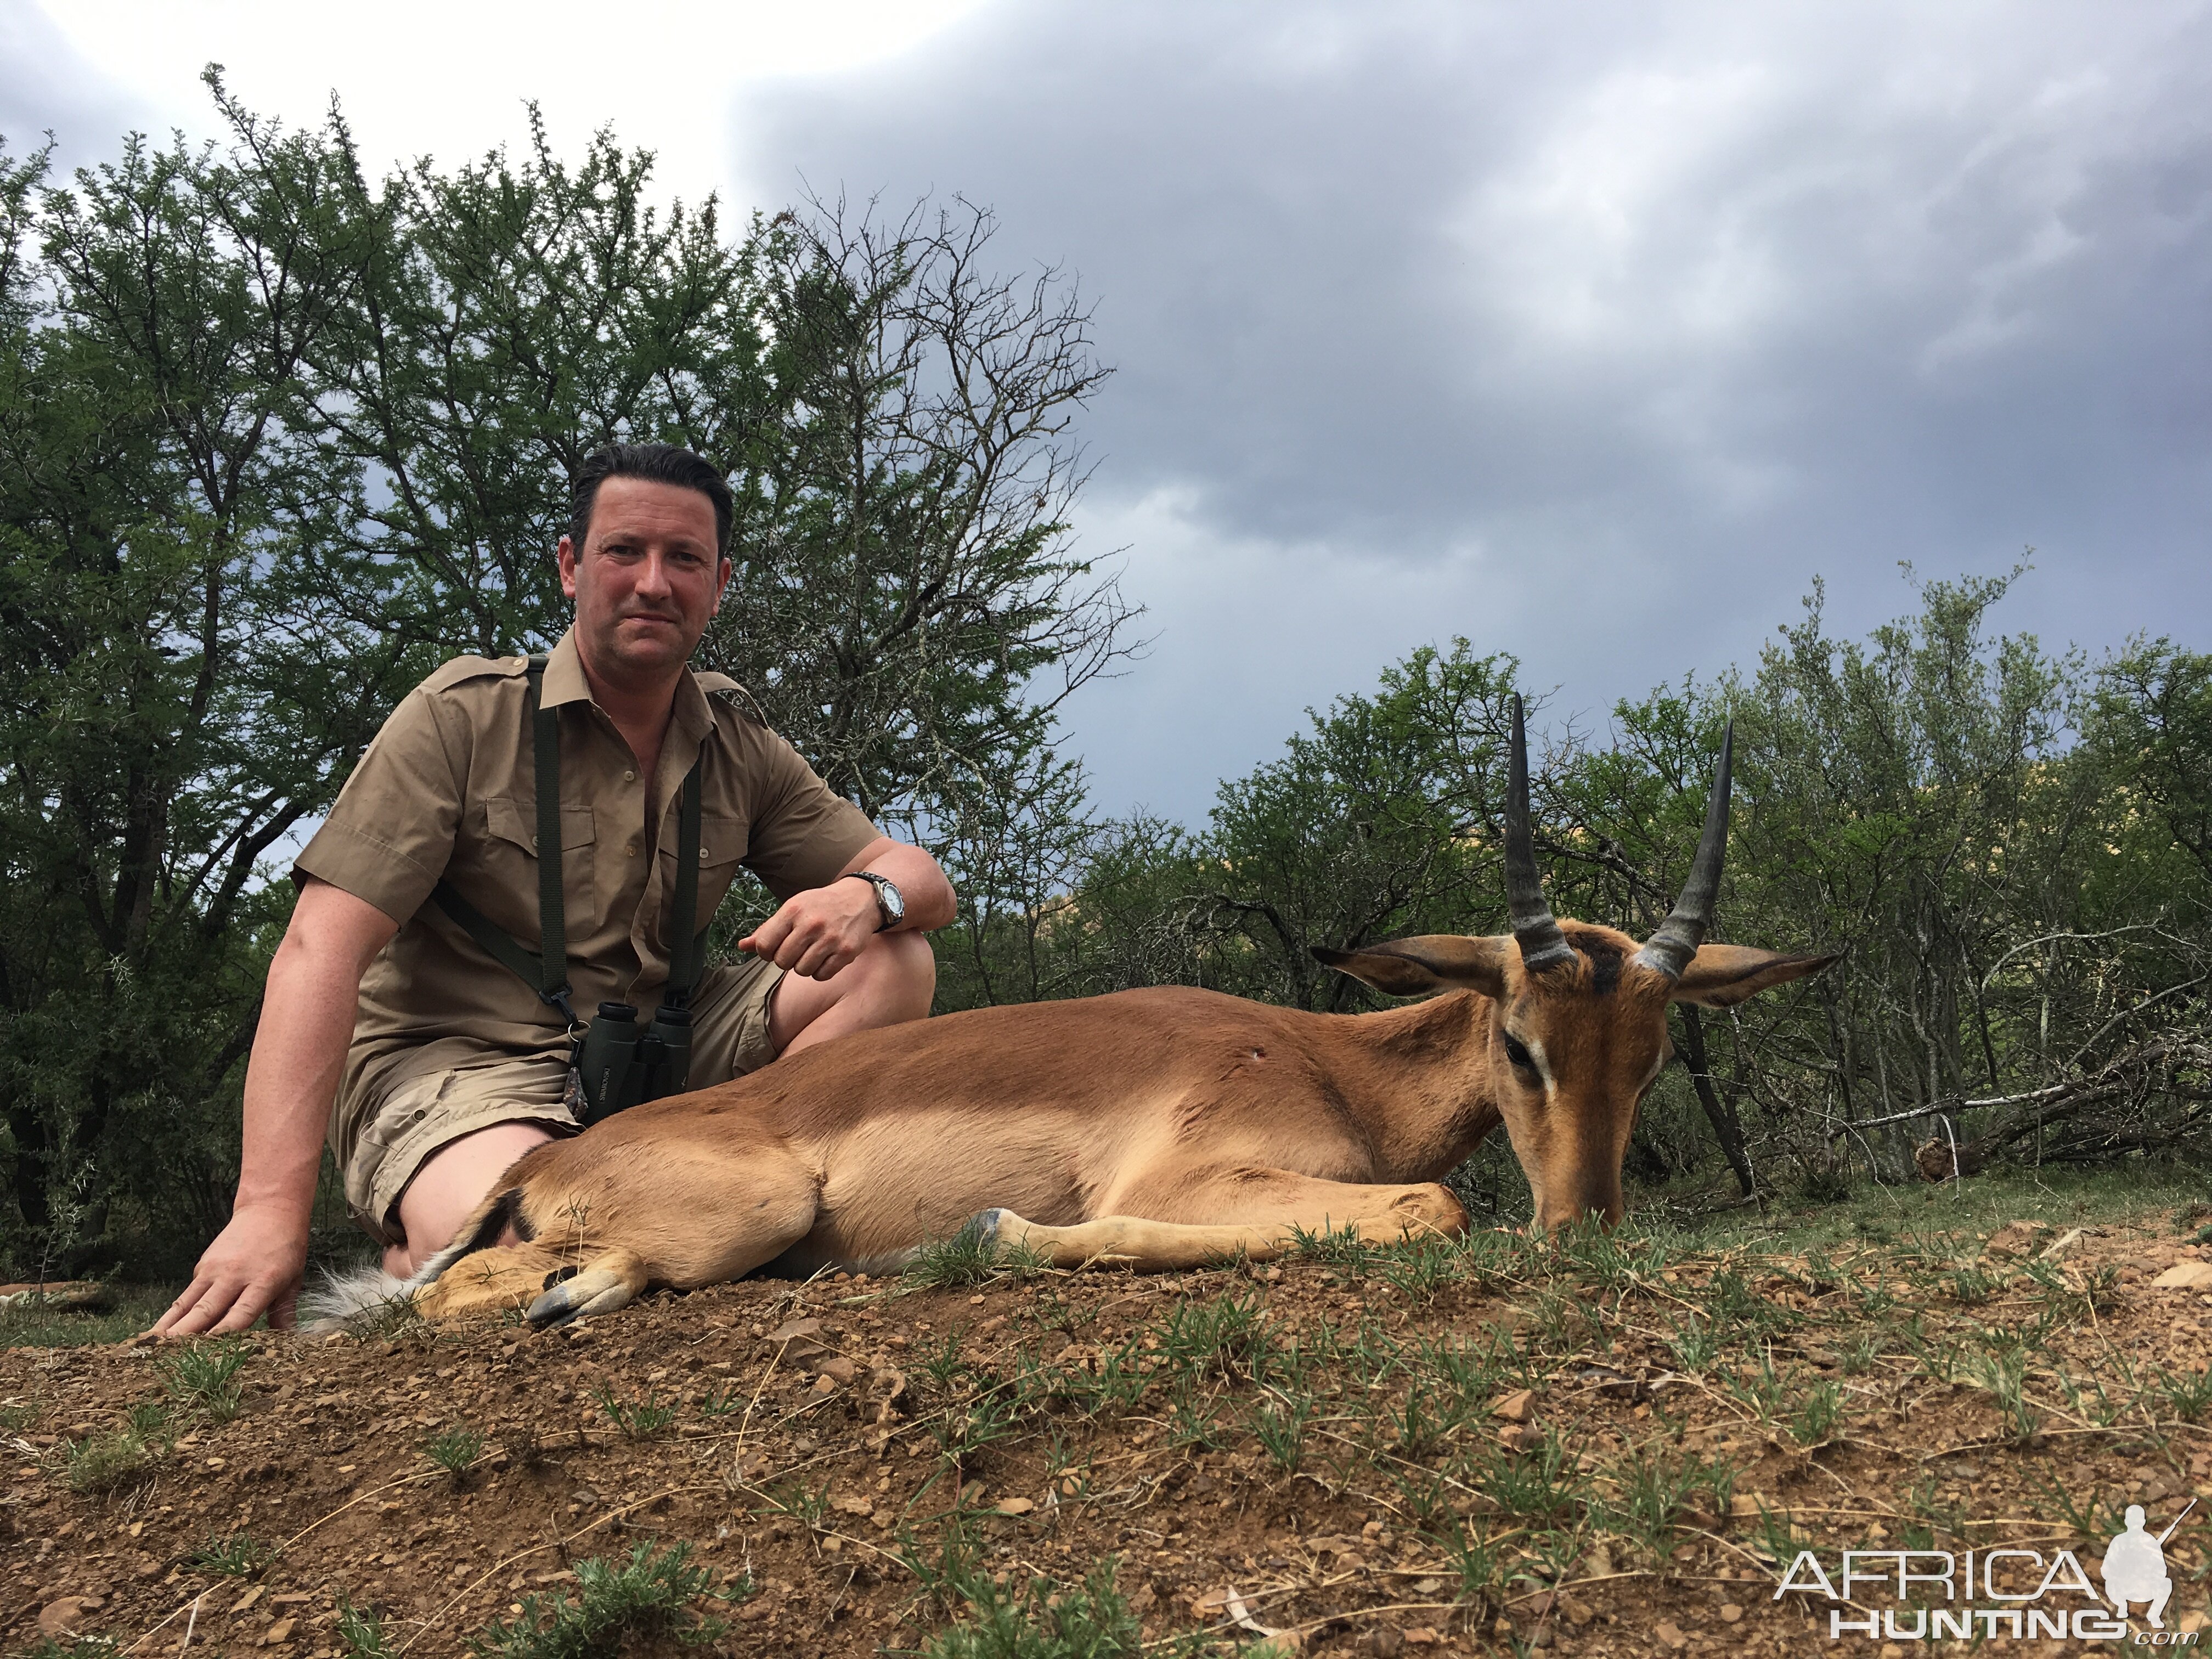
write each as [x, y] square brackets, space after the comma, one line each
[446, 1067]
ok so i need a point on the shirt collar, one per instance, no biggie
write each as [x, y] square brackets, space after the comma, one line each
[564, 680]
[564, 683]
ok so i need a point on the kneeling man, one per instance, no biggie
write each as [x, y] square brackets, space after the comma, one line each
[406, 986]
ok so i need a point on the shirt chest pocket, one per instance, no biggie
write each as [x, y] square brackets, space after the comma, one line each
[511, 861]
[723, 843]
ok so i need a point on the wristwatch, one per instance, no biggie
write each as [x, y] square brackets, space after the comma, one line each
[890, 903]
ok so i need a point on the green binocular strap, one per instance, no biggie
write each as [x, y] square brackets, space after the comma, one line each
[546, 969]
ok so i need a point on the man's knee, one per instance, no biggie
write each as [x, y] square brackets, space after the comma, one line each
[455, 1179]
[909, 970]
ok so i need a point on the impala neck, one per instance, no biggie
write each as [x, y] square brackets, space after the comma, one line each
[1419, 1081]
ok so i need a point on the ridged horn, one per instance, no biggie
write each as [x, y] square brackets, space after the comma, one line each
[1542, 942]
[1670, 949]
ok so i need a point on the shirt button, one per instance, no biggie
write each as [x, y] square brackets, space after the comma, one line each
[629, 777]
[703, 856]
[630, 850]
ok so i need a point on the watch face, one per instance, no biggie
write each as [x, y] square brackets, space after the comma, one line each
[894, 902]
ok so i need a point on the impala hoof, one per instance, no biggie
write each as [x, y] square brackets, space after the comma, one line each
[594, 1290]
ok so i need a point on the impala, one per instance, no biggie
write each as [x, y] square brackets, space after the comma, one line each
[1155, 1128]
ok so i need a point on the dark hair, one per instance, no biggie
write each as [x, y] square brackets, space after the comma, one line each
[657, 464]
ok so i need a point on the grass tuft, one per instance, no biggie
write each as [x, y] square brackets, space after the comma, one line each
[639, 1601]
[638, 1420]
[204, 1378]
[453, 1451]
[239, 1555]
[967, 1260]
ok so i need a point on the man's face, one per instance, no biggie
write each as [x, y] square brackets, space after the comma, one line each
[647, 579]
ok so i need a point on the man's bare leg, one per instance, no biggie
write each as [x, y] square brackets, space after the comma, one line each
[887, 984]
[452, 1182]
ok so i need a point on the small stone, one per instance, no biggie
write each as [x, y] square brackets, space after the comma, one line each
[2017, 1238]
[1891, 1650]
[1671, 1633]
[278, 1633]
[1515, 1406]
[58, 1617]
[246, 1601]
[1575, 1612]
[1730, 1613]
[2184, 1276]
[1744, 1504]
[1526, 1438]
[837, 1367]
[1016, 1505]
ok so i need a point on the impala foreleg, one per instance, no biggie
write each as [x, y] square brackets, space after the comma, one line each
[1257, 1214]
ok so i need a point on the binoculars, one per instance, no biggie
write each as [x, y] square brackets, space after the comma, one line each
[621, 1063]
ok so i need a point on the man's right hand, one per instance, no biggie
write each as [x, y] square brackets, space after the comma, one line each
[256, 1264]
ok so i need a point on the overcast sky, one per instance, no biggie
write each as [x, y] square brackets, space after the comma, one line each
[1592, 332]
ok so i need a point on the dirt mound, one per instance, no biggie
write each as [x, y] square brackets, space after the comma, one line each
[1616, 1446]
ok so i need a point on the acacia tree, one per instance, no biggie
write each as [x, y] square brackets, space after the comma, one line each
[274, 440]
[172, 714]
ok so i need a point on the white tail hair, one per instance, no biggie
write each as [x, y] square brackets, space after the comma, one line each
[347, 1297]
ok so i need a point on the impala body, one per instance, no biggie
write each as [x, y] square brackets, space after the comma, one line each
[1156, 1129]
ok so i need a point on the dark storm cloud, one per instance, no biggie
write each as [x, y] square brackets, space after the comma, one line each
[1592, 331]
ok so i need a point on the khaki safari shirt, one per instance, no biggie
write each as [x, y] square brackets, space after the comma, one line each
[446, 791]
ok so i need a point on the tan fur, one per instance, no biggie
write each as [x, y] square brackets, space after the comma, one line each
[1158, 1128]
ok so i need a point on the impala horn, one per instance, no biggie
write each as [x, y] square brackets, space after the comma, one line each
[1669, 950]
[1542, 942]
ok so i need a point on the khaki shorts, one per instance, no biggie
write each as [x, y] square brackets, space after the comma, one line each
[391, 1138]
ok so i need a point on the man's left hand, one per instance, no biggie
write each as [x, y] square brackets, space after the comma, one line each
[817, 932]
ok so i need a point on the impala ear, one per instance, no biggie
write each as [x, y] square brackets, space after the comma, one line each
[1429, 962]
[1722, 975]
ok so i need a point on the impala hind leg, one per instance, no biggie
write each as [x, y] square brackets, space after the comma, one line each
[488, 1281]
[1257, 1213]
[675, 1213]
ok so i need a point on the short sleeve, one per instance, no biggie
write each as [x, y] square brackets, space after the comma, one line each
[803, 832]
[388, 839]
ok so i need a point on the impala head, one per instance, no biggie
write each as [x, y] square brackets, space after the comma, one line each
[1578, 1013]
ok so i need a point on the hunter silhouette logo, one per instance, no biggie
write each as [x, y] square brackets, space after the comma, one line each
[2135, 1567]
[2009, 1591]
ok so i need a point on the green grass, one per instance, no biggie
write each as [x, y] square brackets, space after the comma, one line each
[108, 1462]
[967, 1260]
[2133, 1193]
[240, 1555]
[134, 1308]
[1039, 1619]
[361, 1630]
[638, 1420]
[617, 1607]
[453, 1451]
[204, 1377]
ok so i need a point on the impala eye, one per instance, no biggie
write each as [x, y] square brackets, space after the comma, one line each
[1517, 1052]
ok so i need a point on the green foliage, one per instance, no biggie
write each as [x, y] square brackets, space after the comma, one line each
[644, 1599]
[276, 438]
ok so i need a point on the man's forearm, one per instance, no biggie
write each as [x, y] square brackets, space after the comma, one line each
[307, 1020]
[298, 1051]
